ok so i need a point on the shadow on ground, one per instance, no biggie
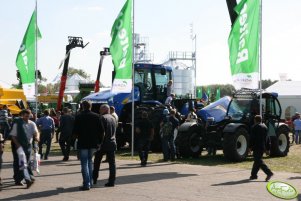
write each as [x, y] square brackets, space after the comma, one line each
[231, 183]
[141, 178]
[129, 179]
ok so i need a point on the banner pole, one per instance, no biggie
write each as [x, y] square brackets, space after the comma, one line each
[133, 80]
[260, 60]
[36, 57]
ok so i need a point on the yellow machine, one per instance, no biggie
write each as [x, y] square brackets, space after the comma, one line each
[14, 99]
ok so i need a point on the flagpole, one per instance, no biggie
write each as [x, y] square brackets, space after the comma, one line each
[36, 57]
[133, 79]
[260, 60]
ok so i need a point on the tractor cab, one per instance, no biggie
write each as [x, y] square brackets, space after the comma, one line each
[152, 81]
[245, 104]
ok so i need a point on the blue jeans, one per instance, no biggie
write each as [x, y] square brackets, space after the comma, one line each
[168, 147]
[85, 156]
[297, 136]
[45, 139]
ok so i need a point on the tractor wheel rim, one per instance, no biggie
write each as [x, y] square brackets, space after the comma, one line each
[241, 145]
[282, 141]
[194, 143]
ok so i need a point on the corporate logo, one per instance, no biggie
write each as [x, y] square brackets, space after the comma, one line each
[282, 190]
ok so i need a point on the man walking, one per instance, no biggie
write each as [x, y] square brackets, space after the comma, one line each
[89, 132]
[47, 127]
[145, 134]
[65, 128]
[23, 133]
[108, 146]
[258, 144]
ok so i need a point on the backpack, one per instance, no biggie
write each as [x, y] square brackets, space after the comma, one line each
[166, 129]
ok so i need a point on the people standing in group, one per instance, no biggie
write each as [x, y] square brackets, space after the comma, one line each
[89, 131]
[191, 115]
[297, 128]
[259, 143]
[169, 99]
[56, 120]
[4, 121]
[108, 146]
[169, 88]
[144, 130]
[47, 127]
[113, 113]
[1, 155]
[66, 128]
[24, 136]
[168, 126]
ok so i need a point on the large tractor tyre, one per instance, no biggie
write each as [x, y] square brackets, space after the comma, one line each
[235, 145]
[280, 143]
[189, 144]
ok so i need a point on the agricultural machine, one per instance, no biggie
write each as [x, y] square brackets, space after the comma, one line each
[226, 125]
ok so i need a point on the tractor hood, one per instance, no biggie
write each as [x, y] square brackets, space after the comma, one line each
[108, 97]
[217, 110]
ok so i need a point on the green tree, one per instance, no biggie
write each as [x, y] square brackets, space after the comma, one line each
[268, 83]
[81, 72]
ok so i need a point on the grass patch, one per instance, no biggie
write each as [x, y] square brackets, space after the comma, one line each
[290, 163]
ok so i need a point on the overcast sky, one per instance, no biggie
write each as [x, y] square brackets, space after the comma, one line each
[165, 22]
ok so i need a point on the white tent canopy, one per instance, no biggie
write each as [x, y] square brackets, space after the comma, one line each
[289, 95]
[286, 88]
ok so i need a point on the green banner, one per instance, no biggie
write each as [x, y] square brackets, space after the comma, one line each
[218, 94]
[199, 93]
[26, 57]
[244, 45]
[121, 49]
[209, 91]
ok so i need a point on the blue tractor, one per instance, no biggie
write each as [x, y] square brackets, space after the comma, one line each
[150, 92]
[226, 125]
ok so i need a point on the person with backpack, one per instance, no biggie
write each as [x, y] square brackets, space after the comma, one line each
[168, 126]
[145, 134]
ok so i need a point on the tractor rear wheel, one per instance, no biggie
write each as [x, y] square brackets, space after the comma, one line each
[235, 146]
[280, 143]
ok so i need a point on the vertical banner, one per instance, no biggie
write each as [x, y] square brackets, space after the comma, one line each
[244, 45]
[209, 91]
[218, 94]
[199, 93]
[121, 49]
[25, 61]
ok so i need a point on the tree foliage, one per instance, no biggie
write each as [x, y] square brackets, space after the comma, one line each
[81, 72]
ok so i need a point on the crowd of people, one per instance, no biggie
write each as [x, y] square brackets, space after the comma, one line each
[95, 136]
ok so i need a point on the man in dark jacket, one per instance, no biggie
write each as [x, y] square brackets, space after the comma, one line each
[89, 132]
[66, 127]
[258, 144]
[145, 134]
[108, 147]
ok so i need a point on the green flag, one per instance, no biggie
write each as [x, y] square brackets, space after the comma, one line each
[209, 91]
[26, 57]
[244, 45]
[218, 94]
[121, 49]
[199, 93]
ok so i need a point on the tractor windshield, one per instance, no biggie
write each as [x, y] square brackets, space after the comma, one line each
[239, 108]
